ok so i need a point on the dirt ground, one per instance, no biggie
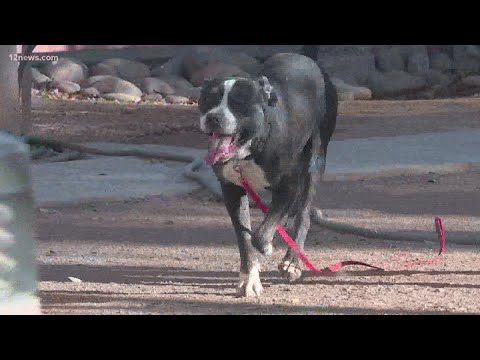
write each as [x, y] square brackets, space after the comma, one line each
[178, 255]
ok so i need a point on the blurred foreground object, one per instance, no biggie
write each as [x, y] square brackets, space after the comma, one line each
[18, 273]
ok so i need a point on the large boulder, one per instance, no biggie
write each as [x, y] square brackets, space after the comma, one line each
[122, 97]
[180, 86]
[112, 84]
[343, 50]
[103, 69]
[39, 81]
[170, 67]
[436, 77]
[466, 59]
[390, 59]
[63, 86]
[192, 59]
[176, 99]
[247, 63]
[90, 92]
[441, 62]
[156, 98]
[123, 68]
[351, 68]
[194, 94]
[395, 83]
[407, 50]
[152, 85]
[201, 54]
[472, 81]
[418, 62]
[244, 61]
[65, 69]
[349, 92]
[216, 70]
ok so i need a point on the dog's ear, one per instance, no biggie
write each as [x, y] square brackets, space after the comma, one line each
[268, 92]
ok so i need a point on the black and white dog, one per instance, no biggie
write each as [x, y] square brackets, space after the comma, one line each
[276, 129]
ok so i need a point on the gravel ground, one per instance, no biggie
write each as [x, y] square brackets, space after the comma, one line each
[178, 255]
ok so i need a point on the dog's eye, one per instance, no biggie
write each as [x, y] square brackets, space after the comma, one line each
[209, 99]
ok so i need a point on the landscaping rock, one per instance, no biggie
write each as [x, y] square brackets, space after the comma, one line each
[177, 100]
[216, 71]
[394, 83]
[171, 67]
[151, 85]
[102, 69]
[66, 69]
[471, 81]
[66, 87]
[120, 97]
[349, 92]
[244, 61]
[192, 59]
[436, 77]
[125, 69]
[154, 98]
[112, 84]
[199, 56]
[39, 81]
[90, 92]
[466, 59]
[390, 59]
[195, 94]
[418, 62]
[441, 62]
[408, 50]
[181, 86]
[353, 69]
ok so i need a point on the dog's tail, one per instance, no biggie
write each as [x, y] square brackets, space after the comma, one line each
[328, 123]
[327, 126]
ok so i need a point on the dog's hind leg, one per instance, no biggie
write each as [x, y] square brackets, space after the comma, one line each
[236, 202]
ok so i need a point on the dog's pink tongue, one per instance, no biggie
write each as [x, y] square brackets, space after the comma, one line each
[218, 147]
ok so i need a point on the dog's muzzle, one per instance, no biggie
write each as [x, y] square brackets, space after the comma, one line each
[220, 147]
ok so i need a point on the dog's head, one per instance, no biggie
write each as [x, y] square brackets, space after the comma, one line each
[233, 113]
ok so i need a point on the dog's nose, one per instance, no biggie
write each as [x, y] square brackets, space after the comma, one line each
[213, 119]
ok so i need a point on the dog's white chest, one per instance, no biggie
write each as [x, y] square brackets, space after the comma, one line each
[251, 172]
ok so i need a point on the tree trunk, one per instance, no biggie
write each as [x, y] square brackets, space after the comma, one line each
[10, 118]
[25, 83]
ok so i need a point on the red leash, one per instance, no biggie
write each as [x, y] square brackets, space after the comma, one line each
[335, 267]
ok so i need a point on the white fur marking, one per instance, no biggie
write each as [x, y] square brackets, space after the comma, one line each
[230, 120]
[250, 284]
[244, 150]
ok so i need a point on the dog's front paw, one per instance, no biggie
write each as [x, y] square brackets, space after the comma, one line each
[290, 271]
[249, 284]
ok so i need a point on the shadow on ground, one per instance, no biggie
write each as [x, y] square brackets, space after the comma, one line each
[111, 301]
[169, 306]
